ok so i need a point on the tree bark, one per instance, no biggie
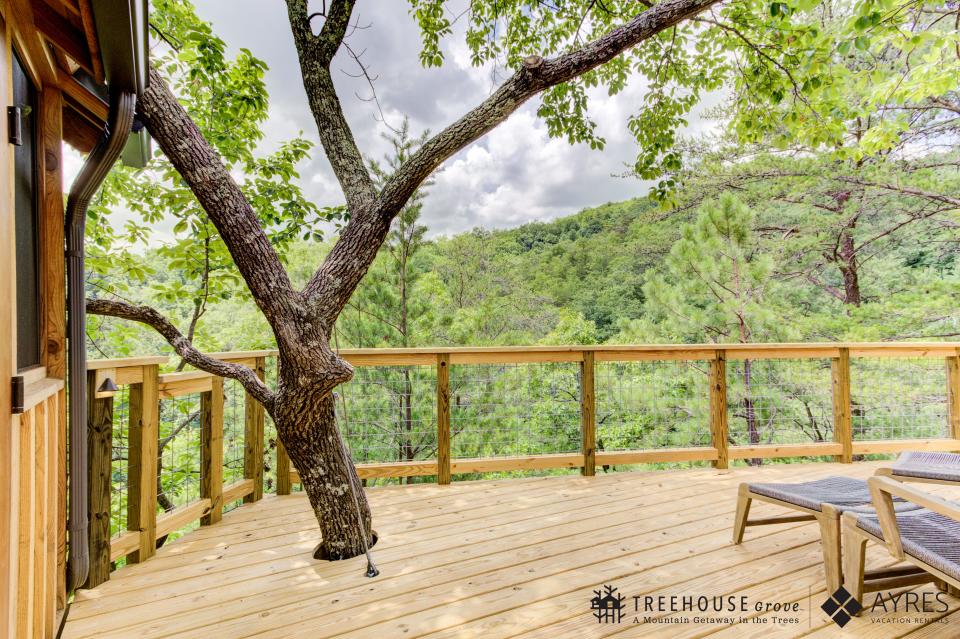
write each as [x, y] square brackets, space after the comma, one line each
[307, 426]
[847, 263]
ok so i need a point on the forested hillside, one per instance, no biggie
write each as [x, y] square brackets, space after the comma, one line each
[601, 275]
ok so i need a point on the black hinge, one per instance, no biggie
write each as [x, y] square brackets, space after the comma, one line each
[16, 396]
[15, 125]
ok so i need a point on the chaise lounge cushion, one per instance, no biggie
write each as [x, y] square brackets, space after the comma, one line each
[939, 466]
[925, 535]
[844, 493]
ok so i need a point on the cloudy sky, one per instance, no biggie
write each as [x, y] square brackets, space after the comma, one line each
[515, 174]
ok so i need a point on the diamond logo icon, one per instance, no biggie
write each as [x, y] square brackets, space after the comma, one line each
[841, 607]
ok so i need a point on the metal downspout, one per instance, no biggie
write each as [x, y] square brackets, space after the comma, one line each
[91, 176]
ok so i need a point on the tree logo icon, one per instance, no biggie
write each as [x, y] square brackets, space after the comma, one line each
[607, 605]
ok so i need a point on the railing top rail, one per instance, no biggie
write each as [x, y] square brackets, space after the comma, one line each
[611, 352]
[126, 362]
[945, 347]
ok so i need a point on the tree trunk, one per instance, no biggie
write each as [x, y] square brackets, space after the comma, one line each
[848, 268]
[307, 426]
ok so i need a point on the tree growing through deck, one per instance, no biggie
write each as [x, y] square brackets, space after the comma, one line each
[555, 50]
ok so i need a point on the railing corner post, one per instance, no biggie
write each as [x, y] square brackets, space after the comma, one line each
[953, 396]
[211, 450]
[100, 469]
[443, 418]
[719, 429]
[588, 415]
[284, 485]
[253, 438]
[144, 428]
[842, 418]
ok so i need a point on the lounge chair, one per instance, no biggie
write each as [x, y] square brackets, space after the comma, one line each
[823, 501]
[930, 468]
[928, 538]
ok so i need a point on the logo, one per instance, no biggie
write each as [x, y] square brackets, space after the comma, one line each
[841, 607]
[608, 605]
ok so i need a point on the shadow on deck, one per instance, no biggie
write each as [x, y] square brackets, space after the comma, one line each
[511, 558]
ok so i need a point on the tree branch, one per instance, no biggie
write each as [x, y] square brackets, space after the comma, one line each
[315, 53]
[536, 75]
[348, 261]
[183, 348]
[203, 171]
[906, 190]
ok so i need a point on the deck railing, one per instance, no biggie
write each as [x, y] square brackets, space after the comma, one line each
[444, 412]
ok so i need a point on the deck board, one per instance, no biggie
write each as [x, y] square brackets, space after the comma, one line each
[505, 558]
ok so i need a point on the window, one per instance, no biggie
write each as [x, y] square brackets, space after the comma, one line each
[26, 200]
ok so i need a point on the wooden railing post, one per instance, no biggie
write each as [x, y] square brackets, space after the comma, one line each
[253, 439]
[284, 485]
[719, 430]
[100, 466]
[588, 415]
[842, 419]
[953, 396]
[144, 411]
[211, 450]
[443, 418]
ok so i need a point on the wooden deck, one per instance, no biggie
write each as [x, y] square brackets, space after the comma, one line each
[512, 558]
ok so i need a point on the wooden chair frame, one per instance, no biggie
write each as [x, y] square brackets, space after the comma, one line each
[883, 489]
[828, 519]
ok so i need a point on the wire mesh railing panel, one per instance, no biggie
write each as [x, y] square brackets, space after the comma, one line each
[898, 398]
[656, 404]
[502, 410]
[779, 401]
[389, 413]
[234, 432]
[178, 448]
[120, 462]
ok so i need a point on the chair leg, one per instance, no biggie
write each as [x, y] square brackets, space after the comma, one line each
[743, 511]
[830, 540]
[854, 559]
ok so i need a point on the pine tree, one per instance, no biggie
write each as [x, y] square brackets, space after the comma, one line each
[716, 287]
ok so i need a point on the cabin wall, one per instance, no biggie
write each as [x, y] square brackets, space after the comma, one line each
[32, 444]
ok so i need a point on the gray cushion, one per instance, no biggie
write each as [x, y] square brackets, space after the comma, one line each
[941, 466]
[843, 493]
[925, 535]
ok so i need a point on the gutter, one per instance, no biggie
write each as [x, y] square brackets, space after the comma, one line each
[91, 176]
[121, 27]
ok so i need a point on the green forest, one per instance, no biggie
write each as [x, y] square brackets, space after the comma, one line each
[825, 208]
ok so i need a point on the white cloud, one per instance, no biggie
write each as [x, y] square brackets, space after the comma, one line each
[513, 175]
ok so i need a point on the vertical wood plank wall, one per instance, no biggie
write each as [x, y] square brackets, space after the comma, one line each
[10, 426]
[38, 517]
[33, 444]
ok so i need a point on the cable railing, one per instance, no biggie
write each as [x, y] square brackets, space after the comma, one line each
[168, 452]
[180, 449]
